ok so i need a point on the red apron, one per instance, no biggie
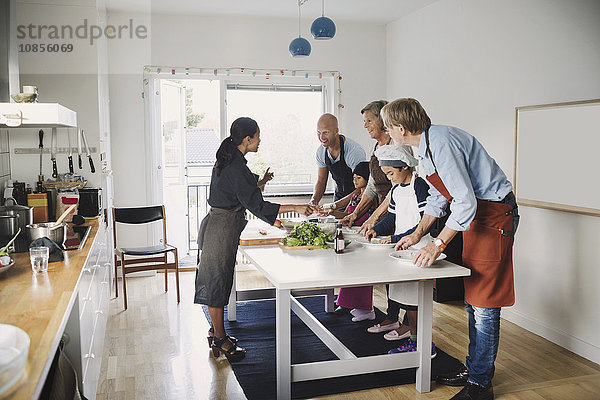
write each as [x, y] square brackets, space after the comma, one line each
[487, 252]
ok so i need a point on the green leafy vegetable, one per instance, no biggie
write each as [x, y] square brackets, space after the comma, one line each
[306, 234]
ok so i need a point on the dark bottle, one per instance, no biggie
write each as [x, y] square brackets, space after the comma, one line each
[338, 241]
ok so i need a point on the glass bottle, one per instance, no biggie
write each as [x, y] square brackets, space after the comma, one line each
[339, 240]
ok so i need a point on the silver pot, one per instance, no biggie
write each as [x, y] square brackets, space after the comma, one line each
[54, 232]
[9, 225]
[23, 213]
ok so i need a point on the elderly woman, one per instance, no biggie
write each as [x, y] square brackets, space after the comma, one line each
[233, 189]
[378, 186]
[376, 196]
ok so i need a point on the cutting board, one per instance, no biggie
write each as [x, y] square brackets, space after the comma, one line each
[251, 235]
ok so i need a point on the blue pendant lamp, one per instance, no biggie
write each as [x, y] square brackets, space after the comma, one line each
[299, 47]
[322, 28]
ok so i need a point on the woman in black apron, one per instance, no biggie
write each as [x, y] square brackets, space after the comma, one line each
[233, 189]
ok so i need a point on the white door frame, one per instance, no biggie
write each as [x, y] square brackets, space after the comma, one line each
[154, 193]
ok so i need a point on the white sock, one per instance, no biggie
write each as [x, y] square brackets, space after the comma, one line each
[370, 315]
[360, 311]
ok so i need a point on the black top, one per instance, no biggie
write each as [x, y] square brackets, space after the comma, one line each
[341, 173]
[236, 186]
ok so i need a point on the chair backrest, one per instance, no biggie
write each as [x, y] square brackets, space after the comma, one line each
[139, 215]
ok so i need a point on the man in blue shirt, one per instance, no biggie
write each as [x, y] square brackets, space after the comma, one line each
[338, 155]
[463, 176]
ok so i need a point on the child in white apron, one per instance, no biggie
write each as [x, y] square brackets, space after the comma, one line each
[407, 203]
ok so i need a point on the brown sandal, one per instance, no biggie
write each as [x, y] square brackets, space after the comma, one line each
[234, 353]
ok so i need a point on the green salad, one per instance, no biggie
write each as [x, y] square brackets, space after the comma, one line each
[307, 234]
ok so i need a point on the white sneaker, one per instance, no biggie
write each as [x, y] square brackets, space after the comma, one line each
[393, 335]
[377, 328]
[362, 317]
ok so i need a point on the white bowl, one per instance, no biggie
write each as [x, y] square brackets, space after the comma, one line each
[351, 231]
[374, 244]
[14, 346]
[24, 97]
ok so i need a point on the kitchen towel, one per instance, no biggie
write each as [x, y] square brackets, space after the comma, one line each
[54, 249]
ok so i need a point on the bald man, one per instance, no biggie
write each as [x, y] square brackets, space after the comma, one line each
[337, 155]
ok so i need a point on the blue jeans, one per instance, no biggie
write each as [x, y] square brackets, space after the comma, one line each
[484, 335]
[484, 329]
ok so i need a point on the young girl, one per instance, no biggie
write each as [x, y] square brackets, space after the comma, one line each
[350, 202]
[359, 299]
[408, 199]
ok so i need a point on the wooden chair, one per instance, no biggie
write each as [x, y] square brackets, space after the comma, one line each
[156, 255]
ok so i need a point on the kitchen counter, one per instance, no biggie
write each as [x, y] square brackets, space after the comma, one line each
[41, 305]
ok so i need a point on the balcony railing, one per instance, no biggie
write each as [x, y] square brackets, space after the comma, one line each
[198, 208]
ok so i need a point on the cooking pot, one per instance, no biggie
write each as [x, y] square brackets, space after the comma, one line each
[55, 232]
[24, 213]
[9, 225]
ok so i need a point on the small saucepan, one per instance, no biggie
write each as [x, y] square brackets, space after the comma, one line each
[55, 232]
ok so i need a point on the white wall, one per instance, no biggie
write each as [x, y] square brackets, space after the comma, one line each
[470, 63]
[357, 51]
[70, 79]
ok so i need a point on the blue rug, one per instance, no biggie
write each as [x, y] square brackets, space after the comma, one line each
[255, 330]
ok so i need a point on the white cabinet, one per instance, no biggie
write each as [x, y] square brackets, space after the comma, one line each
[94, 295]
[36, 115]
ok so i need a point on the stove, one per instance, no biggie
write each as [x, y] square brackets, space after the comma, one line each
[76, 236]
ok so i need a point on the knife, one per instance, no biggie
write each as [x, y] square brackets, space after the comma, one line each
[53, 154]
[79, 149]
[87, 151]
[70, 153]
[39, 186]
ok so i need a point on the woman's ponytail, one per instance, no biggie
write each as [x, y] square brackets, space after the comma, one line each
[240, 128]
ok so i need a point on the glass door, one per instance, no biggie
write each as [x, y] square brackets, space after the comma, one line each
[174, 169]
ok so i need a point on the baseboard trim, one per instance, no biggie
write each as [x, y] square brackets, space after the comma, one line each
[563, 339]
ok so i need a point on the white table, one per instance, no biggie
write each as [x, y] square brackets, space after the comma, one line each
[323, 269]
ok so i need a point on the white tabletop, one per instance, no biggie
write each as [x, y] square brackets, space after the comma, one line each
[304, 269]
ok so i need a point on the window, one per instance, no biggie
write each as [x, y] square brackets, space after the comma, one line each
[287, 117]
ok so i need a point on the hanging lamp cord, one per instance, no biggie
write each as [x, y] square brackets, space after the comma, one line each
[299, 4]
[323, 8]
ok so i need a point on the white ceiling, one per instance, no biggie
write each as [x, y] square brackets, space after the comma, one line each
[376, 11]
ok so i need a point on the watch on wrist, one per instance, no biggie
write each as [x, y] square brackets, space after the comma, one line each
[440, 243]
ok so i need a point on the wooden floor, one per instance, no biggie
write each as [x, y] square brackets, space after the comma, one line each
[158, 350]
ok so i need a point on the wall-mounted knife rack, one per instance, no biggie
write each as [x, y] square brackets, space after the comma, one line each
[46, 150]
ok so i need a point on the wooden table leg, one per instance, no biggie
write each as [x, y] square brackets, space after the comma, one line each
[424, 324]
[283, 344]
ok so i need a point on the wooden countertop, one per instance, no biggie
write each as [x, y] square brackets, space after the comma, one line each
[40, 304]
